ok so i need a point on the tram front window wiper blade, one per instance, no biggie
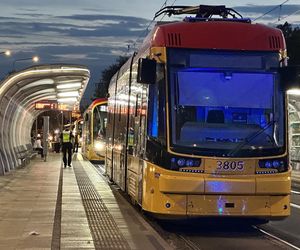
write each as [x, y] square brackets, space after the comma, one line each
[251, 138]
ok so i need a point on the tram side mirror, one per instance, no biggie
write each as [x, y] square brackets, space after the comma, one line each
[290, 77]
[146, 71]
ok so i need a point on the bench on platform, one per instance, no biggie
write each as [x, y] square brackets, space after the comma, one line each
[22, 154]
[31, 152]
[25, 153]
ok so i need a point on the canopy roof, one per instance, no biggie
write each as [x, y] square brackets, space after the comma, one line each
[19, 91]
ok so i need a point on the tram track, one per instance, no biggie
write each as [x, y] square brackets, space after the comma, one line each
[296, 194]
[254, 238]
[189, 243]
[192, 242]
[276, 238]
[294, 205]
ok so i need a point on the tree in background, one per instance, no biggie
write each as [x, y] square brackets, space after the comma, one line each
[292, 38]
[106, 75]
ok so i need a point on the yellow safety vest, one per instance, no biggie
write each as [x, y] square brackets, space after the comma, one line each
[66, 136]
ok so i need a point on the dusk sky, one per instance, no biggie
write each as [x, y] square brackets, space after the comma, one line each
[95, 32]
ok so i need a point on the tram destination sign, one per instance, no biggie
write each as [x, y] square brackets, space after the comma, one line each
[46, 105]
[52, 105]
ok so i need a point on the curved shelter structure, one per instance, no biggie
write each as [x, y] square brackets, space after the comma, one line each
[18, 94]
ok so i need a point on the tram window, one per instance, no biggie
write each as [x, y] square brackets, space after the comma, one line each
[136, 105]
[153, 112]
[120, 113]
[100, 121]
[108, 117]
[156, 106]
[87, 128]
[161, 110]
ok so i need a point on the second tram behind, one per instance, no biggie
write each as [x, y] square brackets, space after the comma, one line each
[94, 130]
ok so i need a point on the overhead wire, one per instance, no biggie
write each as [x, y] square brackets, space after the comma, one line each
[150, 23]
[166, 13]
[295, 12]
[146, 29]
[279, 14]
[276, 7]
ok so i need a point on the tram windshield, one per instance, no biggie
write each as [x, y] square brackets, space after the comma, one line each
[224, 112]
[99, 123]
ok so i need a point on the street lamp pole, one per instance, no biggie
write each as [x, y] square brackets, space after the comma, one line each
[34, 59]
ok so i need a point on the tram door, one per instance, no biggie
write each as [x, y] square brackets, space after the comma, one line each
[120, 132]
[136, 141]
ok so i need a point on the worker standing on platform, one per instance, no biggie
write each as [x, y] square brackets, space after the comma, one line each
[66, 138]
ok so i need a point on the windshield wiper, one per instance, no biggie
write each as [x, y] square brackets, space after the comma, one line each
[250, 138]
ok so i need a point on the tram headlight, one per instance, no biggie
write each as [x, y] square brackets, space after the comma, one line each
[276, 164]
[189, 163]
[99, 145]
[268, 164]
[279, 164]
[181, 162]
[177, 163]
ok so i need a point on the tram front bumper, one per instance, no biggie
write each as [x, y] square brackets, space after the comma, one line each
[208, 195]
[236, 205]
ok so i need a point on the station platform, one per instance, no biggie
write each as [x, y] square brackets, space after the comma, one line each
[46, 206]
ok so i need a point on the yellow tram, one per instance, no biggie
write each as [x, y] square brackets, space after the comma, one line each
[197, 122]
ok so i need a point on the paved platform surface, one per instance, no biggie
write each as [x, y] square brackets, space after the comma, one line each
[44, 206]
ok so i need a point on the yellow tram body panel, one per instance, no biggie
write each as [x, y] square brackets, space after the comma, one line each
[199, 194]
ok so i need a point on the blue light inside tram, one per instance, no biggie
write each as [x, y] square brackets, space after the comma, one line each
[220, 210]
[154, 125]
[220, 205]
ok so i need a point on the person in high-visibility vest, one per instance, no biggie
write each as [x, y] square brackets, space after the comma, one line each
[66, 138]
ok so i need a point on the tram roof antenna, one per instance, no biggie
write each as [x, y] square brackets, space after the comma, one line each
[201, 11]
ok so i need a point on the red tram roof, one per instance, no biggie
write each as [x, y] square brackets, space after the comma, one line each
[95, 102]
[218, 35]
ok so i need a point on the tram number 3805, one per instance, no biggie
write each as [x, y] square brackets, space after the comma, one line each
[230, 165]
